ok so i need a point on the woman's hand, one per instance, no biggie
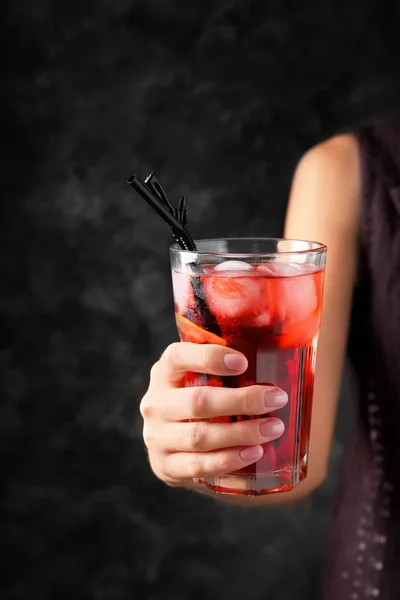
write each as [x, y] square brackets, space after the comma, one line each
[180, 450]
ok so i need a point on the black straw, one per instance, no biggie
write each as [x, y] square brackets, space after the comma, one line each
[152, 192]
[182, 236]
[152, 182]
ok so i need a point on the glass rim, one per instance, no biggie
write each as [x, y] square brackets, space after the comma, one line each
[313, 247]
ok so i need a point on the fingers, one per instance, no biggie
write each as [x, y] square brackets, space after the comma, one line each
[181, 357]
[203, 436]
[193, 465]
[183, 443]
[205, 402]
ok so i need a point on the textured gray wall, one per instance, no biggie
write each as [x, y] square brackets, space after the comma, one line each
[220, 98]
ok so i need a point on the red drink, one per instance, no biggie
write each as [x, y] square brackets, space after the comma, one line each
[271, 312]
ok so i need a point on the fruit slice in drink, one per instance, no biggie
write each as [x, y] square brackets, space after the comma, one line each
[190, 332]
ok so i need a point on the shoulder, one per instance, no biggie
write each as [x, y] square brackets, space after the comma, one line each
[336, 156]
[327, 183]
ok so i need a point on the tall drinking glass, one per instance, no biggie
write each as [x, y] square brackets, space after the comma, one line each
[263, 297]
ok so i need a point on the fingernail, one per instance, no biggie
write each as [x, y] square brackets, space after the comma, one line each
[274, 397]
[271, 428]
[235, 362]
[251, 453]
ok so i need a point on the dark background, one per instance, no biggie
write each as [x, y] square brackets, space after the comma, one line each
[220, 98]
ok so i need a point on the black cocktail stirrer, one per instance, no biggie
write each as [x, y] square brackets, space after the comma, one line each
[152, 192]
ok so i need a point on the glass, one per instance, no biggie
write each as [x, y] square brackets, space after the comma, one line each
[265, 298]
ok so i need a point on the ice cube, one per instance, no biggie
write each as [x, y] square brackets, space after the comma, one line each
[233, 265]
[237, 295]
[297, 293]
[291, 269]
[262, 320]
[266, 269]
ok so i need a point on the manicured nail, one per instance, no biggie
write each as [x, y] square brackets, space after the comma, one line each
[251, 453]
[274, 397]
[235, 362]
[271, 428]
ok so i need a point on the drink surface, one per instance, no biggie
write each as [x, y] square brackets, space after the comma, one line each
[271, 312]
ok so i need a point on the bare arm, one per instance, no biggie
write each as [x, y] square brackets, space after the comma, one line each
[324, 206]
[183, 442]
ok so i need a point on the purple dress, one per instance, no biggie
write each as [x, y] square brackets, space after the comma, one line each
[364, 552]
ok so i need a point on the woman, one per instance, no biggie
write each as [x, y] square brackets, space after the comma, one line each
[345, 193]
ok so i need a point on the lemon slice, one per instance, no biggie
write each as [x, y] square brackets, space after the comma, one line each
[189, 332]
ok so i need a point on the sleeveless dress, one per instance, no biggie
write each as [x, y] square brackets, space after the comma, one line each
[364, 553]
